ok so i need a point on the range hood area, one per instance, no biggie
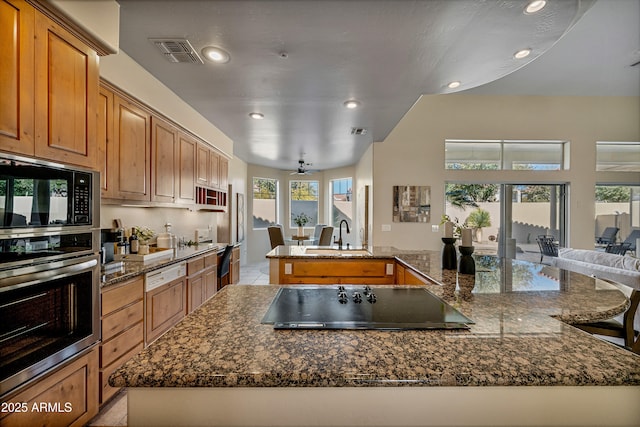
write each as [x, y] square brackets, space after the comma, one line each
[361, 307]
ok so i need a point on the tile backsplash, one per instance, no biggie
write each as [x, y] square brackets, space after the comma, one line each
[183, 222]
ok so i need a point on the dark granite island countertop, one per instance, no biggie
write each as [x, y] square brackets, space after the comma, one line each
[519, 364]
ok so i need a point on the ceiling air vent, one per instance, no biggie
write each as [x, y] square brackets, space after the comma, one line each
[358, 131]
[177, 50]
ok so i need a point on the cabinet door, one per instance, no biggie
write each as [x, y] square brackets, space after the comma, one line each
[131, 151]
[214, 169]
[74, 387]
[223, 173]
[202, 170]
[66, 96]
[16, 77]
[196, 290]
[165, 306]
[234, 268]
[186, 170]
[210, 283]
[164, 167]
[105, 141]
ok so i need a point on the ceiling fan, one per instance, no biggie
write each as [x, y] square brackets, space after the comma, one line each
[302, 168]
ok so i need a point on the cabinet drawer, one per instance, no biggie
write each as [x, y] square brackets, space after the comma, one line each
[211, 260]
[121, 296]
[195, 266]
[112, 349]
[362, 268]
[120, 320]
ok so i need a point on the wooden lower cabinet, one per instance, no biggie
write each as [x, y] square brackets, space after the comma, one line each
[234, 268]
[122, 329]
[335, 271]
[407, 276]
[201, 280]
[164, 307]
[66, 397]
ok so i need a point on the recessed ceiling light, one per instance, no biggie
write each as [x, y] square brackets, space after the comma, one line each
[454, 85]
[216, 54]
[257, 116]
[535, 6]
[521, 54]
[351, 104]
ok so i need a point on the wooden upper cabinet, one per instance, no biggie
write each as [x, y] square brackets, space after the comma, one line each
[223, 173]
[203, 165]
[186, 169]
[214, 169]
[66, 96]
[16, 77]
[105, 141]
[131, 153]
[164, 167]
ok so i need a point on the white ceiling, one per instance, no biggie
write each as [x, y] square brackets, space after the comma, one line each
[384, 53]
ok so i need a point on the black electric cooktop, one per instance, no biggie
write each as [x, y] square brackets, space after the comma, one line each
[361, 307]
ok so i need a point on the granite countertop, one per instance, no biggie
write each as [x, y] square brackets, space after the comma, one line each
[131, 269]
[293, 251]
[519, 338]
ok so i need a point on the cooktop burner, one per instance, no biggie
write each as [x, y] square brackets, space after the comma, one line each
[361, 307]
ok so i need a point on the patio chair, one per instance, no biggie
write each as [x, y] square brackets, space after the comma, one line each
[547, 246]
[608, 236]
[632, 238]
[617, 248]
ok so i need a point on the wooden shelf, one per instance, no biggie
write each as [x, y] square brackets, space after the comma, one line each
[208, 198]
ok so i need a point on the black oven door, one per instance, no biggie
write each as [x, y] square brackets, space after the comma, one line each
[48, 313]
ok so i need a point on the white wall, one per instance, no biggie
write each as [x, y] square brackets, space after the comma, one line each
[413, 154]
[238, 181]
[364, 178]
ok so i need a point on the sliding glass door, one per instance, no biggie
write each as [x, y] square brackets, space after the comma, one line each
[507, 218]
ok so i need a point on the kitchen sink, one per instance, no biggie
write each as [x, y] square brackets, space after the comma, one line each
[340, 252]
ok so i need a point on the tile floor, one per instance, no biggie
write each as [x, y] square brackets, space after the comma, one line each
[114, 413]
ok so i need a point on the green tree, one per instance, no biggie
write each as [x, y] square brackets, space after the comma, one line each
[264, 188]
[301, 190]
[536, 193]
[612, 194]
[466, 195]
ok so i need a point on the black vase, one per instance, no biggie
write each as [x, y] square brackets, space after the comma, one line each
[449, 256]
[467, 264]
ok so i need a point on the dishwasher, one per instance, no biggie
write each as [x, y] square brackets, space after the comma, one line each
[165, 299]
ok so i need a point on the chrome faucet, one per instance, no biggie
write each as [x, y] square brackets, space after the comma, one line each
[340, 233]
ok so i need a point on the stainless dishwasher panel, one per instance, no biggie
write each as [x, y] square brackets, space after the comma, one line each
[157, 278]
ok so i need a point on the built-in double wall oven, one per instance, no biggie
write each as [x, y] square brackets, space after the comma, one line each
[49, 267]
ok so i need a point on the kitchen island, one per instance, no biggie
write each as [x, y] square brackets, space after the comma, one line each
[521, 363]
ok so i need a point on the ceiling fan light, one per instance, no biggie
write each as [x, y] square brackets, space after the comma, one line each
[521, 54]
[454, 84]
[351, 104]
[535, 6]
[256, 116]
[216, 54]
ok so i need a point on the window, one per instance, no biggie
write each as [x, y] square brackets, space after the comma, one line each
[265, 202]
[506, 155]
[341, 201]
[303, 200]
[617, 206]
[618, 156]
[506, 219]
